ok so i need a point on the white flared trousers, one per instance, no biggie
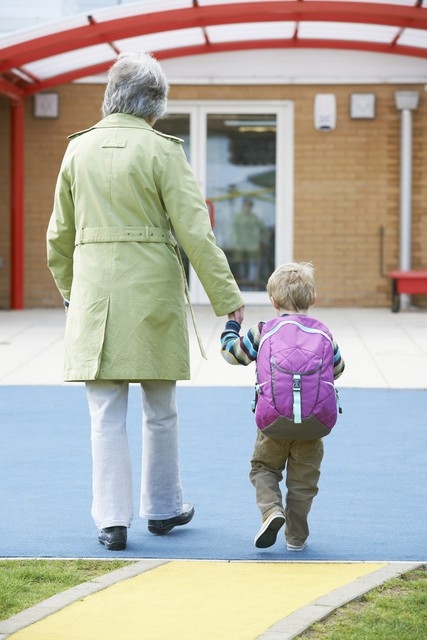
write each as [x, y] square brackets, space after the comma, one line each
[161, 490]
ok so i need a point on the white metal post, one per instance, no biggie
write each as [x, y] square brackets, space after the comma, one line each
[405, 189]
[406, 102]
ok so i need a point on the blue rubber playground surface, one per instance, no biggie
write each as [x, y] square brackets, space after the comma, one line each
[372, 503]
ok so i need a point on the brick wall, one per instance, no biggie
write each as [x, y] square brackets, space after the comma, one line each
[346, 198]
[346, 187]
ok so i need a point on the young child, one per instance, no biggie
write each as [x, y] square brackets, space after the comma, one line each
[292, 291]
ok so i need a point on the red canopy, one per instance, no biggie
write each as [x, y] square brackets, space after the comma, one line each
[86, 45]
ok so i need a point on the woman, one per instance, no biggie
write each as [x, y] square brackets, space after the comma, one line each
[124, 193]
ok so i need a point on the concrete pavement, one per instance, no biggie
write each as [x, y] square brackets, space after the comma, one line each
[381, 349]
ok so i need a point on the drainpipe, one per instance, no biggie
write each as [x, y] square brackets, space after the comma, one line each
[17, 205]
[406, 102]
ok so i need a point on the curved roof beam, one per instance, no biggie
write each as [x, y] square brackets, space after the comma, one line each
[167, 54]
[157, 22]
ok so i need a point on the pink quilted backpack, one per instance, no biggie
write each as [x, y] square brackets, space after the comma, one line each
[295, 394]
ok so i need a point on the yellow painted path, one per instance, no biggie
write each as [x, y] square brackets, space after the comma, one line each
[195, 599]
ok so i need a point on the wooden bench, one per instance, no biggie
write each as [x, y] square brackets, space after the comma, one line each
[406, 282]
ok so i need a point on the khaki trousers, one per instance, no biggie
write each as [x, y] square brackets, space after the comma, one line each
[302, 461]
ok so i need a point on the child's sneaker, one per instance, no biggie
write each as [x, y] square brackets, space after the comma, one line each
[267, 535]
[296, 547]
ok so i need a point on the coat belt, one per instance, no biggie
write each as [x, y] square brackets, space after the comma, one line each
[89, 235]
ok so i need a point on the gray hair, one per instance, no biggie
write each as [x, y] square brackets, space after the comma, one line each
[136, 85]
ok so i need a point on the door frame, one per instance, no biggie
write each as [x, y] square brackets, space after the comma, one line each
[198, 111]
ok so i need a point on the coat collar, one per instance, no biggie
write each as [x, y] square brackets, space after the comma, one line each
[122, 120]
[126, 121]
[115, 120]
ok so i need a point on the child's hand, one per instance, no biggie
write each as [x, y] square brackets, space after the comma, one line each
[237, 315]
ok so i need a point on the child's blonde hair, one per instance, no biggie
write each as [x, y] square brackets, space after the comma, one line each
[291, 286]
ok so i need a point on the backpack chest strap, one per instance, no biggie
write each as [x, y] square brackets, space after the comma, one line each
[296, 391]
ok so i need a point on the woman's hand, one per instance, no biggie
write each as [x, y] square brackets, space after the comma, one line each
[237, 315]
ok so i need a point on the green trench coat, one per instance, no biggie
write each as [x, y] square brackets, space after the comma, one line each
[122, 187]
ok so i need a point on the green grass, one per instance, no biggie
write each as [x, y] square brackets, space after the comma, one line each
[24, 583]
[395, 611]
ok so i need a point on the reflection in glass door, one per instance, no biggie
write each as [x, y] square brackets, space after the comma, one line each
[241, 190]
[247, 178]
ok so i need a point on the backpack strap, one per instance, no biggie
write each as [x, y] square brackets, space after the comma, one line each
[299, 325]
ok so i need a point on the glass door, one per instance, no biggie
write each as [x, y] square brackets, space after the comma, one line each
[241, 190]
[242, 154]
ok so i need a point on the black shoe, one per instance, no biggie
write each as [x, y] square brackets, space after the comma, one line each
[160, 527]
[113, 538]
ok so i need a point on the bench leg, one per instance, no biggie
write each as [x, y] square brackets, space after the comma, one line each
[395, 297]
